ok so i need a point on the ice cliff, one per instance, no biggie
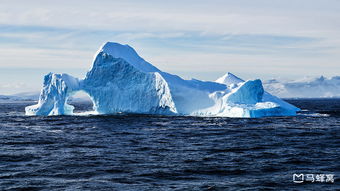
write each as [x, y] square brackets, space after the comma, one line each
[121, 81]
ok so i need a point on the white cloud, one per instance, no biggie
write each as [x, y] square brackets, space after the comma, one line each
[244, 17]
[47, 58]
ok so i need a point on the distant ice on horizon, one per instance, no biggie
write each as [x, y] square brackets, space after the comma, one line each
[308, 87]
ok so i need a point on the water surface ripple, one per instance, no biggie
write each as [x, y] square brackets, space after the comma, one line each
[141, 152]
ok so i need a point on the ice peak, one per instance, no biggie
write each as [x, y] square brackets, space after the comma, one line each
[229, 79]
[112, 47]
[128, 54]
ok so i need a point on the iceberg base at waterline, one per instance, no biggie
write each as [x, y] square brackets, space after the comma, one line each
[120, 81]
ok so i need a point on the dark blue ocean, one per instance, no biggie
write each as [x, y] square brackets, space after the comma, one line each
[142, 152]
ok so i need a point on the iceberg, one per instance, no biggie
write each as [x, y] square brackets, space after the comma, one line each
[120, 81]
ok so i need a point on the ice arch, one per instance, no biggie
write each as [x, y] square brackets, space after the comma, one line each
[82, 102]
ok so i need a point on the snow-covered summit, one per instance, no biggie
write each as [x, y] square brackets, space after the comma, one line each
[121, 81]
[229, 79]
[127, 53]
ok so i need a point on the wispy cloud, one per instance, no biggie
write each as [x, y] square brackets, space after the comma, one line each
[305, 17]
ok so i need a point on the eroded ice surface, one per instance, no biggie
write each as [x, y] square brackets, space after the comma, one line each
[121, 81]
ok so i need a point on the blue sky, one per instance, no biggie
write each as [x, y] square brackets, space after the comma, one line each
[200, 39]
